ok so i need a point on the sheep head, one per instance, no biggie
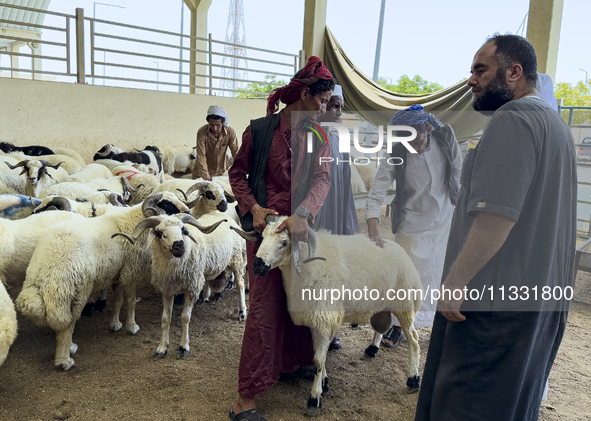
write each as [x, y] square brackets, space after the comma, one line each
[163, 203]
[276, 248]
[169, 232]
[215, 197]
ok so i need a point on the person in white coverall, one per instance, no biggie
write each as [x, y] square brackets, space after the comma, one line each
[427, 184]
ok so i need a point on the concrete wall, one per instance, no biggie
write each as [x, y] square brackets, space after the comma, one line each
[85, 117]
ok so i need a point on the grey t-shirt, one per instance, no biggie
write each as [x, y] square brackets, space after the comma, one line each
[524, 168]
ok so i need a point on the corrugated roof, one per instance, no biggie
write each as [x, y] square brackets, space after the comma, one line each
[23, 16]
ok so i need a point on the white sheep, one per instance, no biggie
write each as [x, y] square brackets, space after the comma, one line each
[367, 174]
[177, 159]
[89, 173]
[145, 183]
[86, 209]
[75, 260]
[357, 184]
[93, 192]
[39, 175]
[352, 263]
[211, 196]
[10, 181]
[18, 240]
[58, 150]
[180, 261]
[71, 165]
[8, 323]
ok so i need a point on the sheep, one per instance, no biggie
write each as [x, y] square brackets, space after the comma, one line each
[106, 152]
[86, 209]
[90, 172]
[17, 206]
[27, 150]
[177, 159]
[8, 323]
[10, 181]
[71, 165]
[75, 260]
[212, 196]
[357, 184]
[58, 150]
[367, 174]
[18, 240]
[92, 192]
[144, 183]
[39, 175]
[352, 263]
[178, 267]
[150, 156]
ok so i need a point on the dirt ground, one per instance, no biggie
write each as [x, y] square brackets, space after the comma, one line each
[116, 379]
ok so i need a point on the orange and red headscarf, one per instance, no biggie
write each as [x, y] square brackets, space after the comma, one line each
[288, 94]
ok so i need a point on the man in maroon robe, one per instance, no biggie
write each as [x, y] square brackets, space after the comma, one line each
[272, 343]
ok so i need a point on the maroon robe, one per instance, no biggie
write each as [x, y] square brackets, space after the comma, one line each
[271, 342]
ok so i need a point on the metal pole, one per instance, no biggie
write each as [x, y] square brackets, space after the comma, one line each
[376, 64]
[210, 46]
[181, 49]
[157, 75]
[583, 70]
[80, 46]
[92, 52]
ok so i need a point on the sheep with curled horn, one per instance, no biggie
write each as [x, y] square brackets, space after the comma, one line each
[352, 263]
[180, 246]
[76, 260]
[211, 196]
[87, 209]
[39, 175]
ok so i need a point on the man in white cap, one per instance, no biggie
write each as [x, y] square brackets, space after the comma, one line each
[213, 141]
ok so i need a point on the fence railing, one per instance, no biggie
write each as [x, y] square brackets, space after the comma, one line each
[139, 57]
[568, 114]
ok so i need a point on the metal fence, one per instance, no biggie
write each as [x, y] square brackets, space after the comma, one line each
[87, 50]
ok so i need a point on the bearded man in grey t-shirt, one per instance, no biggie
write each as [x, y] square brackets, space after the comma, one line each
[511, 241]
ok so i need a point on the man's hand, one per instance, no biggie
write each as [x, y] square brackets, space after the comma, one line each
[448, 306]
[258, 217]
[373, 232]
[297, 227]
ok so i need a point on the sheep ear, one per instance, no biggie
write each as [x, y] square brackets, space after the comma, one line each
[229, 197]
[297, 256]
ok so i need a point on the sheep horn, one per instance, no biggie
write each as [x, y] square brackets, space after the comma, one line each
[184, 195]
[145, 224]
[20, 164]
[189, 219]
[248, 236]
[48, 164]
[58, 203]
[116, 200]
[129, 237]
[105, 150]
[297, 252]
[271, 218]
[126, 185]
[191, 203]
[200, 186]
[150, 205]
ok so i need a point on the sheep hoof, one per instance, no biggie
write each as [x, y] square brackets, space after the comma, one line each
[242, 315]
[134, 330]
[218, 296]
[67, 365]
[325, 386]
[314, 407]
[159, 355]
[412, 384]
[371, 351]
[115, 327]
[73, 348]
[183, 353]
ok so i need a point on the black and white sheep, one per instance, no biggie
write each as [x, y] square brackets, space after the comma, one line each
[39, 175]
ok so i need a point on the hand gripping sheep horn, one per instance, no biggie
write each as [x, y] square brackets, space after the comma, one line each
[153, 221]
[296, 251]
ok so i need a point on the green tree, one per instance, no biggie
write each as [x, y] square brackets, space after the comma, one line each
[271, 82]
[578, 95]
[406, 85]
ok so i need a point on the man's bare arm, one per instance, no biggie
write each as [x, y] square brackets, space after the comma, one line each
[489, 232]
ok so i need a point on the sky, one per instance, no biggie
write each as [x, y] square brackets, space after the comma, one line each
[433, 38]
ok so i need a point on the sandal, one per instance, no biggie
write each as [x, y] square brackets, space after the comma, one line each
[393, 335]
[335, 343]
[306, 372]
[249, 415]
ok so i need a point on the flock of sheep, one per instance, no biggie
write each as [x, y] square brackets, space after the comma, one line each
[181, 234]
